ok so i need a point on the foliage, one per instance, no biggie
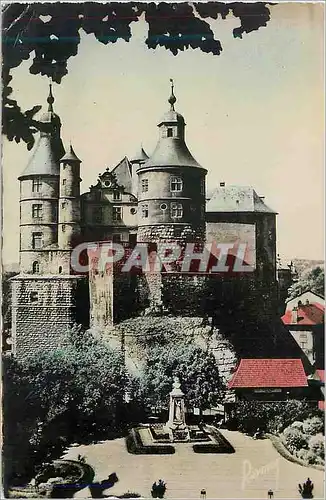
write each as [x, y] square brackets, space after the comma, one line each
[196, 368]
[6, 296]
[306, 489]
[270, 417]
[50, 33]
[58, 396]
[313, 426]
[317, 446]
[313, 280]
[295, 439]
[158, 489]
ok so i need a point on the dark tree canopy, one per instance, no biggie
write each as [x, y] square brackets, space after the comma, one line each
[51, 32]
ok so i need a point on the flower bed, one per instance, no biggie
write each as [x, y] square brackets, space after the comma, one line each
[221, 444]
[305, 441]
[135, 446]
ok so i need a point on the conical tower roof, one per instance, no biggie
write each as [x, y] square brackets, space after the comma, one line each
[48, 148]
[70, 155]
[140, 157]
[171, 150]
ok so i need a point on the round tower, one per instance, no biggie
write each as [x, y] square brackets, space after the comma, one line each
[69, 200]
[39, 192]
[171, 186]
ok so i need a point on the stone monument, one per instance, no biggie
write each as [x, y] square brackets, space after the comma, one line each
[176, 425]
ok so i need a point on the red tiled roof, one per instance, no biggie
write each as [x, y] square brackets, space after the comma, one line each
[310, 314]
[269, 373]
[321, 375]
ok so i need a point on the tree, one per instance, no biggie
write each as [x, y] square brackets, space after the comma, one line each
[313, 280]
[51, 32]
[196, 368]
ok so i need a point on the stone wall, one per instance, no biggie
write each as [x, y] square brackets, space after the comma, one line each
[43, 308]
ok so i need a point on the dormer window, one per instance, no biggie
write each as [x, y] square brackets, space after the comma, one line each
[170, 132]
[116, 195]
[176, 184]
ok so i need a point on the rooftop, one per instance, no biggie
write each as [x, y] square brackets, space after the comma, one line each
[254, 373]
[307, 314]
[236, 199]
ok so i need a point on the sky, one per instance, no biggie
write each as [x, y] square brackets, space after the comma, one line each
[254, 116]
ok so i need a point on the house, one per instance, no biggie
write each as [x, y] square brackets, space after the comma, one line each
[269, 379]
[305, 321]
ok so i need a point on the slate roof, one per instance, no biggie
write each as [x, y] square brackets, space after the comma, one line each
[171, 151]
[43, 160]
[254, 373]
[123, 174]
[236, 199]
[70, 155]
[310, 314]
[140, 156]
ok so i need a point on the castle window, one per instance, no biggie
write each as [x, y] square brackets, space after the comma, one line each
[170, 132]
[133, 211]
[37, 211]
[36, 185]
[116, 195]
[63, 205]
[63, 228]
[176, 184]
[144, 211]
[33, 296]
[163, 206]
[107, 183]
[144, 185]
[117, 213]
[60, 269]
[36, 267]
[176, 210]
[64, 182]
[98, 214]
[37, 240]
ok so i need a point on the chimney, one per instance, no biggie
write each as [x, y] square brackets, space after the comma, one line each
[222, 184]
[294, 316]
[262, 198]
[307, 302]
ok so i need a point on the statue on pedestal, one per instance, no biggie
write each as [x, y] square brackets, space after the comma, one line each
[177, 413]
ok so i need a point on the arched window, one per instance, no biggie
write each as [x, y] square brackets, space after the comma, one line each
[60, 269]
[36, 267]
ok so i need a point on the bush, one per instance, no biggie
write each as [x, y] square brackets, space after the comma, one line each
[297, 425]
[295, 440]
[307, 456]
[314, 425]
[317, 446]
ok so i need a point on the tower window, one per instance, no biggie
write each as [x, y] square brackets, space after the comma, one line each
[144, 185]
[116, 195]
[176, 184]
[163, 206]
[63, 205]
[33, 296]
[37, 240]
[202, 186]
[176, 210]
[117, 213]
[36, 267]
[60, 269]
[144, 211]
[37, 211]
[170, 132]
[36, 185]
[98, 214]
[63, 228]
[64, 182]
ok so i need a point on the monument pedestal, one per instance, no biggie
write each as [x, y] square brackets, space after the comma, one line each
[176, 425]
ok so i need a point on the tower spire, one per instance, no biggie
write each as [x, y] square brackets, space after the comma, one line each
[172, 98]
[50, 99]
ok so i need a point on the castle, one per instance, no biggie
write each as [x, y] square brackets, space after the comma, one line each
[161, 197]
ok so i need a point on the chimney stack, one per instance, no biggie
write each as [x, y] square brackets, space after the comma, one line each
[294, 316]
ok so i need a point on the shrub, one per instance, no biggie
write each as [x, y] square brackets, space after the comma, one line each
[295, 439]
[297, 425]
[307, 456]
[317, 446]
[314, 425]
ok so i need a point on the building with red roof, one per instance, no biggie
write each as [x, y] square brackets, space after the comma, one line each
[305, 322]
[269, 379]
